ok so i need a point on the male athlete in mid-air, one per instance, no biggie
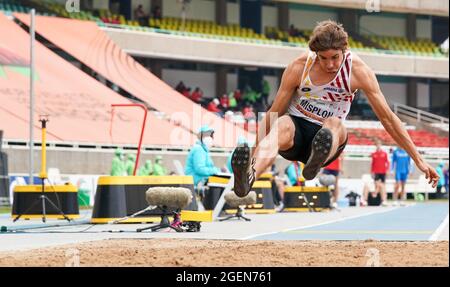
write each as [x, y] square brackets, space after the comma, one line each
[314, 97]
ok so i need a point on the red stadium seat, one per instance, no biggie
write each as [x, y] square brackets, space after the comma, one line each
[421, 138]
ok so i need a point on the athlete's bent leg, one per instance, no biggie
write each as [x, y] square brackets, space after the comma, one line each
[246, 169]
[280, 137]
[338, 131]
[325, 145]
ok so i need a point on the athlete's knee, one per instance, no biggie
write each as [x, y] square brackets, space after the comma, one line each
[286, 130]
[336, 125]
[285, 126]
[333, 122]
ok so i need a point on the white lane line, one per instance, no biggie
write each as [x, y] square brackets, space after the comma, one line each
[326, 222]
[439, 230]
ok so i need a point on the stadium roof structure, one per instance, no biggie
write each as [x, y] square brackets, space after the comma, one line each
[79, 107]
[86, 42]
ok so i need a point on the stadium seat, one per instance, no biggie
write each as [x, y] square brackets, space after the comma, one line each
[421, 138]
[234, 32]
[400, 45]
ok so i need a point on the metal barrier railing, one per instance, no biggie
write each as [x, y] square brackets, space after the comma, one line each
[419, 115]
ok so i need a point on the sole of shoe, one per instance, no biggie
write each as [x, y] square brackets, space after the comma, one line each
[240, 162]
[320, 150]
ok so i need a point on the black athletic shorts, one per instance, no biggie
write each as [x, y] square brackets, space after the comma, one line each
[304, 134]
[380, 176]
[330, 171]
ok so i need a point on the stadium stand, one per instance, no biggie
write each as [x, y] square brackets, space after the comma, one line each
[301, 39]
[421, 138]
[90, 45]
[273, 35]
[362, 132]
[79, 106]
[57, 9]
[400, 45]
[8, 7]
[441, 126]
[137, 84]
[230, 32]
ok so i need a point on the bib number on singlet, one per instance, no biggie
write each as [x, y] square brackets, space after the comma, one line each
[316, 108]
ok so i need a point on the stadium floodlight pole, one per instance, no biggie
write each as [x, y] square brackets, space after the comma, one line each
[142, 130]
[31, 162]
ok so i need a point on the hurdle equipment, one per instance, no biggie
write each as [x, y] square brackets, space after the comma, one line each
[165, 198]
[119, 198]
[304, 198]
[218, 186]
[235, 201]
[31, 201]
[64, 195]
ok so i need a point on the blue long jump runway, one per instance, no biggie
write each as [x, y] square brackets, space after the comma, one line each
[411, 223]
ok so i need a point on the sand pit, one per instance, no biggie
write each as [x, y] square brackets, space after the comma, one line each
[214, 253]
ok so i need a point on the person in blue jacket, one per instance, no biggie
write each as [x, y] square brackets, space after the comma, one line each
[441, 182]
[199, 163]
[293, 171]
[402, 165]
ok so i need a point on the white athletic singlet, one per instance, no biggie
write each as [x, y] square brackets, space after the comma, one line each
[316, 103]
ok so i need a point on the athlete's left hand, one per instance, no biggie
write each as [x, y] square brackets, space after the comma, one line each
[430, 173]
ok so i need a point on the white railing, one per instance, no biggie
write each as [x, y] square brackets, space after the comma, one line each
[105, 147]
[351, 150]
[419, 115]
[360, 124]
[441, 126]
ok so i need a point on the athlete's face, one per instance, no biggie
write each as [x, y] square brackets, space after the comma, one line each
[330, 60]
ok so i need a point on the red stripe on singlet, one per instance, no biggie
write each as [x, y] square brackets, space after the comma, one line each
[344, 80]
[347, 65]
[348, 71]
[331, 97]
[338, 82]
[338, 97]
[343, 74]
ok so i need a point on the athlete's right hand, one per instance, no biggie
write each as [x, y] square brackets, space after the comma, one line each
[430, 173]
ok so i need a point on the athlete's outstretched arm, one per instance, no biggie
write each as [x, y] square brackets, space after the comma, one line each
[289, 83]
[368, 82]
